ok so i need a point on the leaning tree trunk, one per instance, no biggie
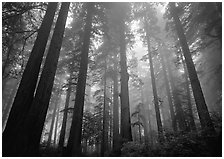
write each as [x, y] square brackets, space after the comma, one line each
[34, 123]
[24, 96]
[116, 145]
[172, 114]
[203, 113]
[125, 106]
[191, 116]
[156, 102]
[74, 142]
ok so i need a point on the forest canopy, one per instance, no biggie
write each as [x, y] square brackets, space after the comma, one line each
[114, 79]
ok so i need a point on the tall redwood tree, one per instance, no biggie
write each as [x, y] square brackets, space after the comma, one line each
[25, 93]
[205, 120]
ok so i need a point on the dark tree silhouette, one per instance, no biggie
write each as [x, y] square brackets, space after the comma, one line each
[33, 126]
[25, 93]
[74, 141]
[190, 111]
[125, 106]
[205, 120]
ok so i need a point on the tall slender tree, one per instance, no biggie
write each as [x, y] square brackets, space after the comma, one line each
[104, 145]
[156, 101]
[56, 126]
[74, 141]
[125, 106]
[116, 145]
[25, 93]
[205, 119]
[65, 114]
[172, 114]
[53, 119]
[179, 116]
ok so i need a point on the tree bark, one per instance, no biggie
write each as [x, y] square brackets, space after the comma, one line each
[53, 121]
[172, 114]
[205, 120]
[56, 127]
[191, 116]
[65, 114]
[24, 96]
[36, 117]
[104, 145]
[116, 145]
[125, 107]
[156, 102]
[74, 142]
[145, 120]
[179, 117]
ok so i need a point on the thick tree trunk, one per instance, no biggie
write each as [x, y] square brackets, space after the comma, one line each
[37, 113]
[65, 114]
[74, 142]
[172, 114]
[203, 113]
[125, 107]
[191, 116]
[156, 102]
[24, 96]
[116, 145]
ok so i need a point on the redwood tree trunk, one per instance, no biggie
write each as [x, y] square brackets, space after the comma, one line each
[56, 127]
[203, 113]
[36, 117]
[74, 142]
[172, 114]
[25, 93]
[191, 116]
[156, 102]
[104, 145]
[65, 114]
[125, 107]
[53, 121]
[180, 118]
[116, 145]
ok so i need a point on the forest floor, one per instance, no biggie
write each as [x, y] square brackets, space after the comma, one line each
[185, 145]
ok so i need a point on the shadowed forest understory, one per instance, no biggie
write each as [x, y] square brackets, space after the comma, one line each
[128, 79]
